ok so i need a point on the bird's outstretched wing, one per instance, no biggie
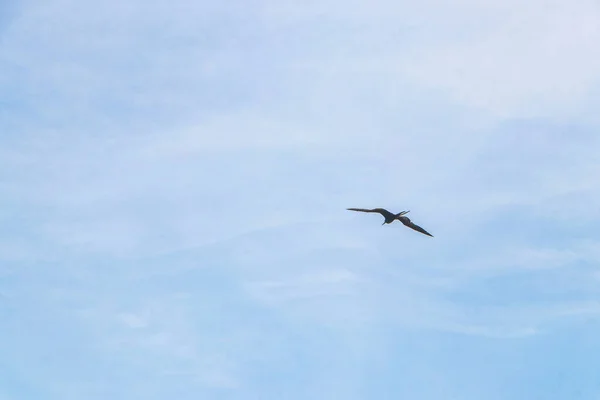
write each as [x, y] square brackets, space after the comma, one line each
[381, 211]
[408, 222]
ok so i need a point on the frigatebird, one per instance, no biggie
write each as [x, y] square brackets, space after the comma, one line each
[391, 217]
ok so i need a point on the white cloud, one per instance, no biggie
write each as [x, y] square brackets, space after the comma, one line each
[504, 59]
[308, 285]
[533, 59]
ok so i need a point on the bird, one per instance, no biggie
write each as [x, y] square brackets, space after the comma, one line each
[391, 217]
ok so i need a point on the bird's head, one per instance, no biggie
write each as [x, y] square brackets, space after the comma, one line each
[403, 212]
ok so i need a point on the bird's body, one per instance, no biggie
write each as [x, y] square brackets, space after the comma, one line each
[391, 217]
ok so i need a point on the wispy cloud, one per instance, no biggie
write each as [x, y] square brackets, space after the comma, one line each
[174, 181]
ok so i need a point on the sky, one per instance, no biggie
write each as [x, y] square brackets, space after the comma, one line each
[174, 178]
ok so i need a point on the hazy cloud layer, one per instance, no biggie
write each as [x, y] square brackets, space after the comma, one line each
[174, 180]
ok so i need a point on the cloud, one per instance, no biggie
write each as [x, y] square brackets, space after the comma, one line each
[527, 60]
[175, 179]
[504, 59]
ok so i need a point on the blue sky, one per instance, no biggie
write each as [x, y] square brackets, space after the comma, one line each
[174, 179]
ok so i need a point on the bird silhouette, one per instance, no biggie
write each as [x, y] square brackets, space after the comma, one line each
[391, 217]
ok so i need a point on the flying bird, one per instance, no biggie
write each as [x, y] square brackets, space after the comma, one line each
[391, 217]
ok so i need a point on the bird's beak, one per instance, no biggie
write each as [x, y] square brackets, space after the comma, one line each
[404, 212]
